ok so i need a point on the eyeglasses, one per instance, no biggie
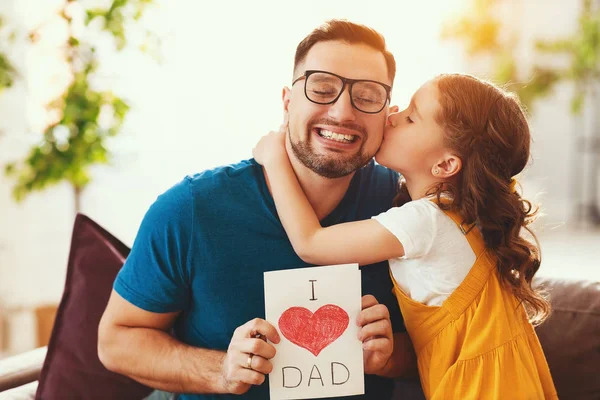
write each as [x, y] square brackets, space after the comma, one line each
[323, 87]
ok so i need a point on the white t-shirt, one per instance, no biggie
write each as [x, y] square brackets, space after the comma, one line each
[437, 257]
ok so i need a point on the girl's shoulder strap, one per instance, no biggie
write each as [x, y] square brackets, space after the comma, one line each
[471, 231]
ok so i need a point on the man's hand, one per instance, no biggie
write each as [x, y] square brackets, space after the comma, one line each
[376, 334]
[248, 355]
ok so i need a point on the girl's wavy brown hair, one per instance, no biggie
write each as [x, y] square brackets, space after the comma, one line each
[487, 128]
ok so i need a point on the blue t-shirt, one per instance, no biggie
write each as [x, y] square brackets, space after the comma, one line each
[203, 246]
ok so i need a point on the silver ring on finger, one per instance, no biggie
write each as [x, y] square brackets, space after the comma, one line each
[249, 362]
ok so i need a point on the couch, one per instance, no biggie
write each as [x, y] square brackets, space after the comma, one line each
[69, 366]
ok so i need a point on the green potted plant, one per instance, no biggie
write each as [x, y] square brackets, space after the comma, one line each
[7, 71]
[480, 31]
[77, 140]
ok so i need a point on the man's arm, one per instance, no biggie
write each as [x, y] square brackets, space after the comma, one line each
[403, 361]
[135, 343]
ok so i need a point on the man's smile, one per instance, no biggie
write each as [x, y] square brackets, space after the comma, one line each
[338, 137]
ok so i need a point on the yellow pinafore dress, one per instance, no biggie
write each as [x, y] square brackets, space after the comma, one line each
[479, 343]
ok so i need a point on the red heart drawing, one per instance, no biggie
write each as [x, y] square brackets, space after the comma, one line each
[315, 331]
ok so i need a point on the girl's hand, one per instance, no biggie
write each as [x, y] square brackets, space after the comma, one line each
[270, 149]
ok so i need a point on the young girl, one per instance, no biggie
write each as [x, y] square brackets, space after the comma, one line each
[461, 269]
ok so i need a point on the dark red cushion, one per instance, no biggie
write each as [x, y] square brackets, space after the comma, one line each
[72, 368]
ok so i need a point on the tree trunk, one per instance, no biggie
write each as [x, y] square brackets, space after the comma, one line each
[77, 197]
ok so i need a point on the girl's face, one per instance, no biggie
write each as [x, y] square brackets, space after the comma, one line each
[413, 142]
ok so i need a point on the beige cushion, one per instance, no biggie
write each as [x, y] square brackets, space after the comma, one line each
[25, 392]
[21, 369]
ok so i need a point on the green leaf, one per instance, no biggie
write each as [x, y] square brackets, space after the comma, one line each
[577, 102]
[90, 15]
[74, 42]
[121, 108]
[68, 157]
[9, 169]
[479, 30]
[559, 46]
[7, 72]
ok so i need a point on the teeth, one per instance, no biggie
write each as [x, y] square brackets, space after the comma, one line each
[336, 136]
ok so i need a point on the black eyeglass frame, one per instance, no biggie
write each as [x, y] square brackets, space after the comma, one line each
[345, 82]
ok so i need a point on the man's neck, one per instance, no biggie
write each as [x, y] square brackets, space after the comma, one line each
[323, 194]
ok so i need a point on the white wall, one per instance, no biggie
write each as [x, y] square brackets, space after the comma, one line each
[215, 94]
[554, 128]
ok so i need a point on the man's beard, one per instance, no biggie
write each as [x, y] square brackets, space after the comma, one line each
[328, 166]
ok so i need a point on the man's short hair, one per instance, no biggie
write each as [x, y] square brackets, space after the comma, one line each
[350, 32]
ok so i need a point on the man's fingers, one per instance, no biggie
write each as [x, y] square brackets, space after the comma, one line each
[257, 363]
[372, 314]
[258, 326]
[256, 346]
[260, 364]
[377, 344]
[381, 328]
[248, 355]
[250, 376]
[368, 300]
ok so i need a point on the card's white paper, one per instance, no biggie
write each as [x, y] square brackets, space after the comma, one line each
[321, 355]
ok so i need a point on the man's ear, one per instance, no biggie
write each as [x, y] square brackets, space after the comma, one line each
[447, 166]
[286, 94]
[286, 97]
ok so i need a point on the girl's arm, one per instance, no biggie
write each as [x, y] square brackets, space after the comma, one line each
[364, 242]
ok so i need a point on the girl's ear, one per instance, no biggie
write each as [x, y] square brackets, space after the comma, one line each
[447, 166]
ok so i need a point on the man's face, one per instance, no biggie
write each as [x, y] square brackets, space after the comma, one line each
[336, 139]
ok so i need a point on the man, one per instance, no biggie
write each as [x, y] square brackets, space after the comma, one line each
[198, 260]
